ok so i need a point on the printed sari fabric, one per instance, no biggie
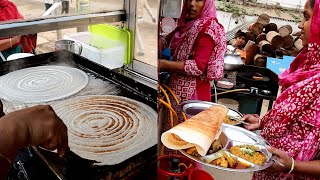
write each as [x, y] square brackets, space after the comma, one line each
[201, 64]
[201, 44]
[293, 124]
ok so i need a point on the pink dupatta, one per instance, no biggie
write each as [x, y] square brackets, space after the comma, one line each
[182, 44]
[293, 124]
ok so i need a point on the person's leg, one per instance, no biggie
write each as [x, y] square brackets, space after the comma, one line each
[63, 10]
[67, 7]
[139, 40]
[47, 6]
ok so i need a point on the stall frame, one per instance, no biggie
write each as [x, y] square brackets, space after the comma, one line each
[137, 70]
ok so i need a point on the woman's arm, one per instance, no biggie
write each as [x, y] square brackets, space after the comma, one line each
[172, 66]
[307, 167]
[198, 64]
[302, 167]
[34, 126]
[9, 42]
[12, 139]
[253, 120]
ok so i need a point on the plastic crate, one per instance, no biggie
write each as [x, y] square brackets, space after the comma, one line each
[118, 34]
[102, 50]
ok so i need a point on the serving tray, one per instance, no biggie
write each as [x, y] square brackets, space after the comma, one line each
[231, 136]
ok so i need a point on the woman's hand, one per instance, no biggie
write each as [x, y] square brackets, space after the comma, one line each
[15, 39]
[46, 129]
[252, 120]
[9, 42]
[283, 158]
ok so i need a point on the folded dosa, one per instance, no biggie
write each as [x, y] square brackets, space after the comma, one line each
[199, 131]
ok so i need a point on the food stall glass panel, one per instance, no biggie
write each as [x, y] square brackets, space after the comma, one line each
[119, 13]
[143, 22]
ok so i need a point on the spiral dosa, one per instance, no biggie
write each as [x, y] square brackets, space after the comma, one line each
[42, 84]
[199, 131]
[108, 129]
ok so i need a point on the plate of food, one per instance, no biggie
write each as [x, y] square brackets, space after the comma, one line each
[239, 150]
[193, 107]
[206, 140]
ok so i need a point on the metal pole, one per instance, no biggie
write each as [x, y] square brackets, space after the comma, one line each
[59, 35]
[83, 7]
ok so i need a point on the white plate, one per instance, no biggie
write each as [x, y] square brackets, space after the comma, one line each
[18, 56]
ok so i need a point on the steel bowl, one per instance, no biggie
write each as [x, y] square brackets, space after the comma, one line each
[193, 107]
[232, 61]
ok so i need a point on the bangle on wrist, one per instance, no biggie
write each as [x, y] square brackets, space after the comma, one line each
[10, 42]
[292, 166]
[259, 121]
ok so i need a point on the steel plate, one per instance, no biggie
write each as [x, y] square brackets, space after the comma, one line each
[193, 107]
[237, 136]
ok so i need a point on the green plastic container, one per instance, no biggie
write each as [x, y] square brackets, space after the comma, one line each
[118, 34]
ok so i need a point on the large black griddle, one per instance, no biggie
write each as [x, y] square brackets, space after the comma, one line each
[249, 77]
[39, 164]
[269, 82]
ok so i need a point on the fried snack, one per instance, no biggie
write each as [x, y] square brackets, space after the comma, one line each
[257, 77]
[228, 161]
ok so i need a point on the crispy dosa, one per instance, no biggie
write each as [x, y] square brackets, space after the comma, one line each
[107, 129]
[199, 131]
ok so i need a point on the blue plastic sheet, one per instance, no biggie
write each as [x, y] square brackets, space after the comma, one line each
[278, 66]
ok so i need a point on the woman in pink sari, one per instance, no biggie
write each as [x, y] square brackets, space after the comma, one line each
[292, 126]
[198, 45]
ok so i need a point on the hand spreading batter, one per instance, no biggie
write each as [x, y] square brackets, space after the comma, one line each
[35, 126]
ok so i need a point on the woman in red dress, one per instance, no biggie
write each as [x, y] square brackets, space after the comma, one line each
[292, 126]
[198, 45]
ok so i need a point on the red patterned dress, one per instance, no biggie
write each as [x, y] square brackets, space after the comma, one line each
[201, 44]
[293, 124]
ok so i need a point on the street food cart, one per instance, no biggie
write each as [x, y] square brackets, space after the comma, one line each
[131, 90]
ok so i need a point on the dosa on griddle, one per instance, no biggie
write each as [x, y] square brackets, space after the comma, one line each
[199, 131]
[108, 129]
